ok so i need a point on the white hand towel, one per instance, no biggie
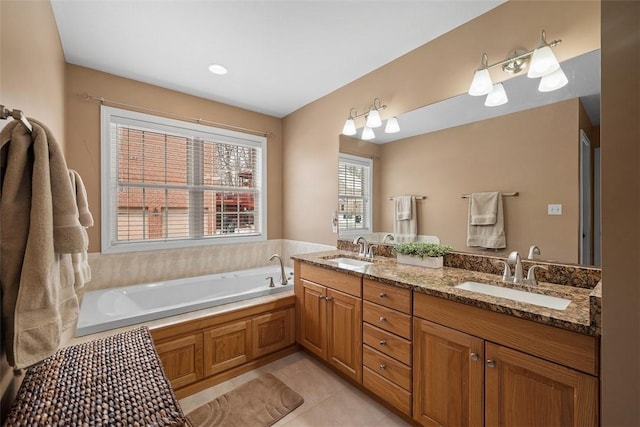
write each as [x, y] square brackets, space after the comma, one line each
[484, 208]
[403, 208]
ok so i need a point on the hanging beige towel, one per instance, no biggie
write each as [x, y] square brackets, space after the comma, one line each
[405, 230]
[490, 236]
[403, 208]
[81, 269]
[484, 208]
[39, 229]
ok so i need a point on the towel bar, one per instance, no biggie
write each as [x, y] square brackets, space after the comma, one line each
[514, 194]
[416, 197]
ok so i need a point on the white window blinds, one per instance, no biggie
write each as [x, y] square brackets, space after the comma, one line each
[354, 194]
[168, 183]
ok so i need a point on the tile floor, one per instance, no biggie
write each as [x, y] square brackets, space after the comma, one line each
[328, 399]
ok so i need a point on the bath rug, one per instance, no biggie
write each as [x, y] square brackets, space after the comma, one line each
[259, 403]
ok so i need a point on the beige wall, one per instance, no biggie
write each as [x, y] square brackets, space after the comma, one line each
[533, 152]
[433, 72]
[620, 143]
[32, 80]
[83, 132]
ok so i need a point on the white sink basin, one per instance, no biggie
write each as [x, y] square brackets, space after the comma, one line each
[350, 263]
[497, 291]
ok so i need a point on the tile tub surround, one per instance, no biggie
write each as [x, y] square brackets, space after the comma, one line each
[563, 274]
[579, 316]
[113, 270]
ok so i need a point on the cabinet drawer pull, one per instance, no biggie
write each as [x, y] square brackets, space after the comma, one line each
[383, 366]
[383, 343]
[491, 363]
[322, 297]
[382, 295]
[383, 319]
[328, 298]
[474, 356]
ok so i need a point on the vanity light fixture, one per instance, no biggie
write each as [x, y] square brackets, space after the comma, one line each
[541, 61]
[372, 120]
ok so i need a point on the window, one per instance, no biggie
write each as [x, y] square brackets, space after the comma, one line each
[354, 195]
[168, 183]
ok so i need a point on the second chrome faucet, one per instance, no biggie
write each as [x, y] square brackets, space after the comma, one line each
[517, 274]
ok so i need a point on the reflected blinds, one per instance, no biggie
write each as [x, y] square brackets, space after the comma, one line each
[354, 189]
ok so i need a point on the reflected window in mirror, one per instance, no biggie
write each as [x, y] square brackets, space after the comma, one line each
[354, 195]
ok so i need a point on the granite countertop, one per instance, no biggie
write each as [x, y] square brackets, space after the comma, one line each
[582, 315]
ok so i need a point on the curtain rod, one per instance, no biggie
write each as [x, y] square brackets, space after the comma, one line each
[199, 120]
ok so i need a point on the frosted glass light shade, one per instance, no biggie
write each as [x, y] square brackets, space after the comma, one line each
[367, 133]
[392, 126]
[497, 96]
[553, 81]
[349, 127]
[481, 84]
[543, 62]
[373, 119]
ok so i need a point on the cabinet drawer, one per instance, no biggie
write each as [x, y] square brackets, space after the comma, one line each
[344, 282]
[387, 319]
[387, 295]
[387, 367]
[388, 391]
[387, 343]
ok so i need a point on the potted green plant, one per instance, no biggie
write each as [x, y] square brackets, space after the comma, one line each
[422, 254]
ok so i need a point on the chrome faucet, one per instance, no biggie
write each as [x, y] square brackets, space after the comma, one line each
[533, 251]
[372, 246]
[364, 246]
[514, 259]
[518, 274]
[388, 235]
[531, 274]
[283, 276]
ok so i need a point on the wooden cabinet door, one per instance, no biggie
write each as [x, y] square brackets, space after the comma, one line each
[448, 376]
[182, 359]
[227, 346]
[344, 333]
[272, 332]
[523, 390]
[313, 331]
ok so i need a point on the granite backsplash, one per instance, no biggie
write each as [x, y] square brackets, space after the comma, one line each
[579, 276]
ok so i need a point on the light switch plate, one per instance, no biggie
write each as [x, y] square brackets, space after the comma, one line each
[554, 209]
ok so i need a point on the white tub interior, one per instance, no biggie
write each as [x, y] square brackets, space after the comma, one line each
[128, 305]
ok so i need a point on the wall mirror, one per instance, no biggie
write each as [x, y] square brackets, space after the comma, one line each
[544, 146]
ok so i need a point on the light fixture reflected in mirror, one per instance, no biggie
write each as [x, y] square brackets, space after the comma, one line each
[543, 63]
[497, 96]
[367, 133]
[372, 119]
[392, 126]
[553, 81]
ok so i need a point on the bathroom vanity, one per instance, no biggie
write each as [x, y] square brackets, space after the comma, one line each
[441, 355]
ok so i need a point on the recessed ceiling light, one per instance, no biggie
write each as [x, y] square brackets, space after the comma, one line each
[217, 69]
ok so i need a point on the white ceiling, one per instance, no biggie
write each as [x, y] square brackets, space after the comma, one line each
[281, 55]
